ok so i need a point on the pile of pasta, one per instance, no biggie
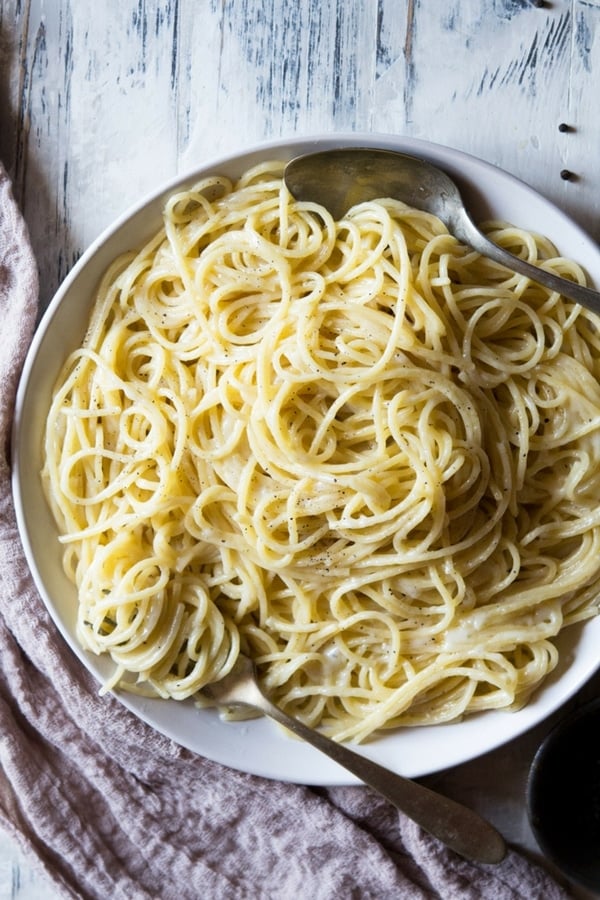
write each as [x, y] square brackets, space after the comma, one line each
[356, 451]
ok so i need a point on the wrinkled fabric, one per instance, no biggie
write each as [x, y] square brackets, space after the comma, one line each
[108, 807]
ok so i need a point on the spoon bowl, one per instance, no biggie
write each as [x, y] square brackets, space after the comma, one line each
[340, 178]
[461, 829]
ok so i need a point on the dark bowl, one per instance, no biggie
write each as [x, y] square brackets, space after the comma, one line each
[563, 795]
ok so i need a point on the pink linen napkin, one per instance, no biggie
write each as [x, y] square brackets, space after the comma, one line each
[107, 807]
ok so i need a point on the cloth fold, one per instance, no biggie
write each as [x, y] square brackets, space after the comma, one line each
[110, 808]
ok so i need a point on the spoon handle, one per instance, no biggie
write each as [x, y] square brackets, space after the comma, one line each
[461, 829]
[466, 231]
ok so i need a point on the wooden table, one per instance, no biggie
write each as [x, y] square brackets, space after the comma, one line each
[100, 102]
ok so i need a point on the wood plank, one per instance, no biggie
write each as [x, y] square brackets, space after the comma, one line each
[580, 147]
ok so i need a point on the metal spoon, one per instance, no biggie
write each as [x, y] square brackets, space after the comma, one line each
[338, 179]
[461, 829]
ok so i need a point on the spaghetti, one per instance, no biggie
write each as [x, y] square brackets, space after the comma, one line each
[356, 451]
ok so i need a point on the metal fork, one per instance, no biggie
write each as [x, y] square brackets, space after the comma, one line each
[460, 828]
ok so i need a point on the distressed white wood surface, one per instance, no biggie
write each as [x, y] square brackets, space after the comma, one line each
[99, 102]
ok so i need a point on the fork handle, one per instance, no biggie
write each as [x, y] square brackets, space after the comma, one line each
[460, 828]
[463, 227]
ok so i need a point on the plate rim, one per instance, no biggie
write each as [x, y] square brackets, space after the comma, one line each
[308, 767]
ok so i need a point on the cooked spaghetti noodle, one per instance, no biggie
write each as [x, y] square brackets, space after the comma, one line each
[356, 451]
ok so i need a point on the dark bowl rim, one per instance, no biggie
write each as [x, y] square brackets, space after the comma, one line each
[589, 708]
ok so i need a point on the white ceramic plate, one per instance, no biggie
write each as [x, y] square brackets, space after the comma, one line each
[257, 746]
